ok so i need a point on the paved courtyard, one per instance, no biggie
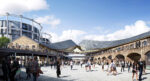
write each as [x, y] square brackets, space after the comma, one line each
[79, 74]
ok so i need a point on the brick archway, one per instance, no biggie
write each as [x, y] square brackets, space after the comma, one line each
[120, 57]
[109, 57]
[147, 59]
[103, 58]
[134, 56]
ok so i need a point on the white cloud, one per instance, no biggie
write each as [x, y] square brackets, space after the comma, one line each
[137, 28]
[49, 20]
[21, 6]
[75, 35]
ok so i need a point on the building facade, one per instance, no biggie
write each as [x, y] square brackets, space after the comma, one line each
[132, 51]
[13, 29]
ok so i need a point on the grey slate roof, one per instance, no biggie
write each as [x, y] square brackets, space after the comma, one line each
[91, 44]
[62, 45]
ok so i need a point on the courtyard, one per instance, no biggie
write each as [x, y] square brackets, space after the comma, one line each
[80, 74]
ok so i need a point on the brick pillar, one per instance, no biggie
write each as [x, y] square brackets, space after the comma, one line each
[127, 58]
[143, 56]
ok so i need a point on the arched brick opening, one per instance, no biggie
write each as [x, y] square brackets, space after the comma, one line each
[147, 59]
[103, 58]
[120, 57]
[134, 56]
[99, 58]
[110, 57]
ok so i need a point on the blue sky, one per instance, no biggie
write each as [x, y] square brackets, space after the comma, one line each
[89, 19]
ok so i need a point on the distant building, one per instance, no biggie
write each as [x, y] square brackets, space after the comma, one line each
[13, 29]
[130, 49]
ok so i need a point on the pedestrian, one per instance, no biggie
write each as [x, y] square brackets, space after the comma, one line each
[122, 66]
[5, 69]
[107, 63]
[71, 64]
[140, 67]
[28, 68]
[89, 64]
[58, 64]
[81, 63]
[113, 68]
[93, 64]
[86, 66]
[14, 68]
[18, 72]
[35, 68]
[144, 63]
[134, 70]
[51, 64]
[129, 64]
[102, 65]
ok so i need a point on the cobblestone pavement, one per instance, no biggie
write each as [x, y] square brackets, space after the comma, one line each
[79, 74]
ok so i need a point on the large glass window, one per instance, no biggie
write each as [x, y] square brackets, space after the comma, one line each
[144, 43]
[24, 26]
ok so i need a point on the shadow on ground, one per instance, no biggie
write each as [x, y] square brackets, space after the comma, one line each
[44, 78]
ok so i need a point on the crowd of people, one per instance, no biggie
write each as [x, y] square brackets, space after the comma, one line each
[11, 68]
[138, 68]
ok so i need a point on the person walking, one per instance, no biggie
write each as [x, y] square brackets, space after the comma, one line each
[107, 63]
[122, 66]
[112, 68]
[35, 68]
[28, 68]
[129, 64]
[58, 71]
[134, 70]
[5, 69]
[14, 68]
[89, 64]
[102, 65]
[141, 66]
[81, 63]
[71, 64]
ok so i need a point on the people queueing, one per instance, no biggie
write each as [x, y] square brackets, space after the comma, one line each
[28, 68]
[35, 68]
[58, 64]
[5, 69]
[141, 66]
[71, 64]
[122, 66]
[134, 70]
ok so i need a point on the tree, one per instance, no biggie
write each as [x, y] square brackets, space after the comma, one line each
[4, 42]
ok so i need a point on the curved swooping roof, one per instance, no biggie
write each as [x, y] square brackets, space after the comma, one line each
[63, 44]
[91, 44]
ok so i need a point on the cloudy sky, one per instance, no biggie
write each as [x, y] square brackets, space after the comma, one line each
[102, 20]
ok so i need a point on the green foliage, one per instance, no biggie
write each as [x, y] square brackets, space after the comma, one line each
[4, 42]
